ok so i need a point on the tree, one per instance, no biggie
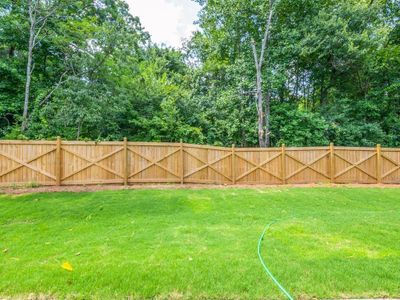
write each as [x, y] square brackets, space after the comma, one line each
[263, 117]
[335, 61]
[39, 12]
[299, 72]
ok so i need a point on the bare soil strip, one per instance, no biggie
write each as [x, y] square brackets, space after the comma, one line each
[17, 190]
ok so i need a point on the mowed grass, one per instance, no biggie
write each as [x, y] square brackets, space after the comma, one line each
[201, 244]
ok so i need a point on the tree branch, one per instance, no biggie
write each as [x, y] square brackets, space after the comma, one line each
[253, 46]
[266, 33]
[59, 83]
[43, 20]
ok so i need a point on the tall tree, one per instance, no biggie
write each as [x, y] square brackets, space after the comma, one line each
[263, 116]
[38, 13]
[311, 71]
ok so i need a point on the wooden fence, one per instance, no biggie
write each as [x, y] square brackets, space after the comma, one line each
[75, 163]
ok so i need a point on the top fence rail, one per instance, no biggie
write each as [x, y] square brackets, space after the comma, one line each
[80, 163]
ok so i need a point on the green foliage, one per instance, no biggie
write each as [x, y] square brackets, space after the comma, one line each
[332, 69]
[295, 127]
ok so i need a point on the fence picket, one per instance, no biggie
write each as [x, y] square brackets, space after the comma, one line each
[69, 162]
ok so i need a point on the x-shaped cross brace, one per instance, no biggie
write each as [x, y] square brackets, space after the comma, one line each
[207, 165]
[397, 166]
[95, 162]
[154, 162]
[258, 166]
[27, 164]
[355, 165]
[307, 165]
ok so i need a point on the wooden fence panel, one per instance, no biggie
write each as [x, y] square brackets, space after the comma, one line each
[154, 162]
[390, 168]
[91, 163]
[307, 165]
[204, 164]
[258, 166]
[71, 162]
[25, 162]
[355, 165]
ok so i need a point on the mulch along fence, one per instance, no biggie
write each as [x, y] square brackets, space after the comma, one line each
[76, 163]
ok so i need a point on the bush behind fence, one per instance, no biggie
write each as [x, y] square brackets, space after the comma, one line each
[76, 163]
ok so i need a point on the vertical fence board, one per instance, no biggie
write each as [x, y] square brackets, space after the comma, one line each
[27, 162]
[151, 162]
[378, 170]
[390, 165]
[58, 161]
[307, 165]
[355, 165]
[258, 166]
[72, 162]
[207, 165]
[92, 163]
[125, 162]
[233, 161]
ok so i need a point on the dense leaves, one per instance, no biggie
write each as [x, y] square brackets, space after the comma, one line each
[332, 70]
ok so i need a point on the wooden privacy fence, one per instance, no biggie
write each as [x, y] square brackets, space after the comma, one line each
[74, 163]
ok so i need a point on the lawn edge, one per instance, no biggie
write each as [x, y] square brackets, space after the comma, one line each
[19, 190]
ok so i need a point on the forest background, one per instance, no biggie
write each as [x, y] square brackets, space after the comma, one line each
[256, 73]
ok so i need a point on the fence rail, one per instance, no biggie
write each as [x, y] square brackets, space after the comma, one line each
[76, 162]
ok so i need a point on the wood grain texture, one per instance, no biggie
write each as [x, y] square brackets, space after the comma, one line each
[68, 162]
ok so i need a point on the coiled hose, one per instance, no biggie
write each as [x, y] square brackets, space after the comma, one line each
[265, 266]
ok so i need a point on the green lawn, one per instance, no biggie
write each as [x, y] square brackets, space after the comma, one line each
[191, 244]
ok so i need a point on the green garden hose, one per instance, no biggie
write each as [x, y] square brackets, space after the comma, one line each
[265, 266]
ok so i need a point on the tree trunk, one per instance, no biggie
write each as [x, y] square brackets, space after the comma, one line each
[267, 120]
[260, 110]
[32, 22]
[263, 119]
[78, 131]
[324, 94]
[11, 52]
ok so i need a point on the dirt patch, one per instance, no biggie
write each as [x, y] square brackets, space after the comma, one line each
[91, 188]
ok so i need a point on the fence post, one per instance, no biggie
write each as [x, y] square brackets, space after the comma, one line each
[378, 163]
[125, 161]
[233, 165]
[283, 163]
[182, 168]
[332, 162]
[58, 161]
